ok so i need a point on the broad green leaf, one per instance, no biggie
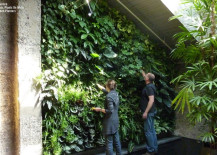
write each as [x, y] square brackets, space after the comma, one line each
[159, 99]
[82, 24]
[61, 7]
[95, 55]
[84, 36]
[167, 102]
[165, 92]
[110, 54]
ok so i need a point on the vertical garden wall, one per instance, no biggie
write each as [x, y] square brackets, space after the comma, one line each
[79, 51]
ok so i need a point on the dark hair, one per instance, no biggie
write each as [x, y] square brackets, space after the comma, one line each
[111, 84]
[151, 77]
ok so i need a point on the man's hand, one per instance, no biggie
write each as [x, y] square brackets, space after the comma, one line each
[145, 115]
[97, 109]
[100, 87]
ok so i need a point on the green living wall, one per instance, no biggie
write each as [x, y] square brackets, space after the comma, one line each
[79, 51]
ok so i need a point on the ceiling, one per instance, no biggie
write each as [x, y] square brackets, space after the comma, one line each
[151, 17]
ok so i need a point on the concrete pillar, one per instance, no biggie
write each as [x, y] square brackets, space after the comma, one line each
[29, 67]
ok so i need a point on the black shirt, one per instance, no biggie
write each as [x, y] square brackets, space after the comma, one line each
[149, 90]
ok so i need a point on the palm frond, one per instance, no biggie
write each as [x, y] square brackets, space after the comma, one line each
[189, 54]
[183, 98]
[175, 17]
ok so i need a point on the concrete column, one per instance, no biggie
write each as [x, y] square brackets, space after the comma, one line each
[9, 125]
[29, 67]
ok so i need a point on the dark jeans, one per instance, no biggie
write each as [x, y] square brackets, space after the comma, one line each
[109, 144]
[150, 133]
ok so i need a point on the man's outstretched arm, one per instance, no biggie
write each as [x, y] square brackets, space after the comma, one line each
[143, 73]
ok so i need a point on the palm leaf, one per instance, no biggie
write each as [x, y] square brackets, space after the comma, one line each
[183, 98]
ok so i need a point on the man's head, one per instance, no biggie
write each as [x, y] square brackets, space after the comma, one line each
[111, 85]
[149, 78]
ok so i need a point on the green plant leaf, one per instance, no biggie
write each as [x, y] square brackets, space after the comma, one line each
[95, 55]
[84, 36]
[110, 54]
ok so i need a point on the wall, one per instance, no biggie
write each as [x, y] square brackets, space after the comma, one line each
[20, 63]
[9, 126]
[185, 129]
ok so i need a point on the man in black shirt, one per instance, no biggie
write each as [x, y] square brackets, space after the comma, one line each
[148, 109]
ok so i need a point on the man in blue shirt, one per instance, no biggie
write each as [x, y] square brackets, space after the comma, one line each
[148, 109]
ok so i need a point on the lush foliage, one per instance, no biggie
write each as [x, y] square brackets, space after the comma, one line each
[79, 51]
[198, 84]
